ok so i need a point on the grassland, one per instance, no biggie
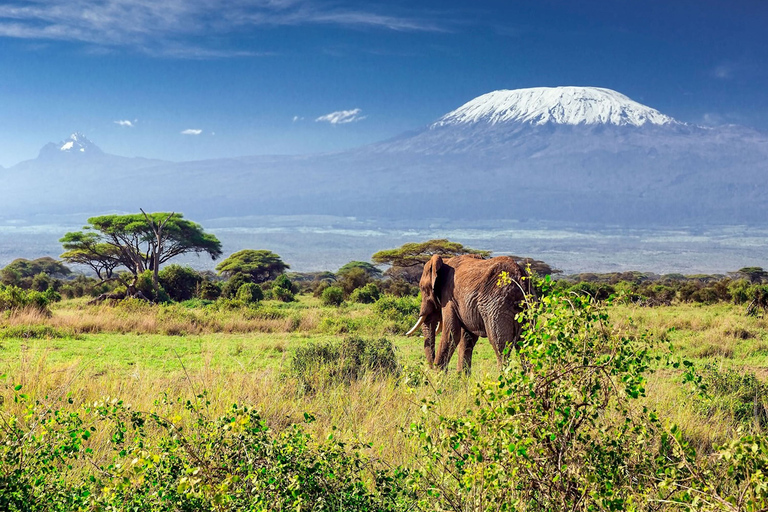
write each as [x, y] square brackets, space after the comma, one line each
[142, 353]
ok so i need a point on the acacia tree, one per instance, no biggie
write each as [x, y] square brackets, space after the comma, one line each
[408, 260]
[136, 242]
[371, 271]
[259, 265]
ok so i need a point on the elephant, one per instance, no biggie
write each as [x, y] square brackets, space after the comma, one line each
[467, 294]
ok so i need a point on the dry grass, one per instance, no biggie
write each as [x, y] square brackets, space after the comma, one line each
[76, 318]
[372, 409]
[237, 356]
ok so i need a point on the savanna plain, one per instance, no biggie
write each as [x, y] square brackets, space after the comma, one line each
[621, 403]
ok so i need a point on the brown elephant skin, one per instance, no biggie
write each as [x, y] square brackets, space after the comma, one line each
[466, 294]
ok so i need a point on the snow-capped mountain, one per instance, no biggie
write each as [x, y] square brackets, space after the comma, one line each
[76, 144]
[558, 105]
[576, 154]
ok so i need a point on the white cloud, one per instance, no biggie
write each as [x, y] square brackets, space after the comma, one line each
[126, 122]
[180, 28]
[341, 117]
[297, 118]
[191, 131]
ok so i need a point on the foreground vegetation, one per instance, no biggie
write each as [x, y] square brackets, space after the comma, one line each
[253, 389]
[296, 405]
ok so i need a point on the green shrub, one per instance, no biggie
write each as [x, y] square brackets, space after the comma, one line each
[197, 303]
[42, 282]
[208, 291]
[39, 332]
[400, 288]
[332, 296]
[144, 285]
[281, 294]
[13, 297]
[226, 464]
[229, 290]
[758, 299]
[598, 291]
[368, 294]
[179, 282]
[403, 310]
[352, 279]
[319, 288]
[741, 394]
[343, 361]
[250, 293]
[739, 291]
[282, 281]
[564, 432]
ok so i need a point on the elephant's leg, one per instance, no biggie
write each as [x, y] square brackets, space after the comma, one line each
[449, 340]
[466, 346]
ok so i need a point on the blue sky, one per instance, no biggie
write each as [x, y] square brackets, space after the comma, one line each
[192, 79]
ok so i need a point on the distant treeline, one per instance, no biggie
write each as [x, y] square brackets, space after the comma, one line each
[250, 276]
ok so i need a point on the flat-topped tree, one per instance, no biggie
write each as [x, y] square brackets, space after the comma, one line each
[407, 260]
[412, 254]
[136, 243]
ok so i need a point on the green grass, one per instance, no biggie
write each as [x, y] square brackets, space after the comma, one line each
[139, 352]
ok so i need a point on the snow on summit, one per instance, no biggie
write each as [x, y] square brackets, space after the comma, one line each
[559, 105]
[77, 142]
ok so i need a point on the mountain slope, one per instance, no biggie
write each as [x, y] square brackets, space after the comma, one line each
[569, 154]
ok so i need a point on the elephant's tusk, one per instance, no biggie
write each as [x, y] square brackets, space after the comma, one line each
[439, 328]
[418, 324]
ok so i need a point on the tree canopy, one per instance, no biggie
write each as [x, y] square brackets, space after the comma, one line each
[372, 271]
[413, 254]
[134, 242]
[260, 265]
[752, 274]
[22, 268]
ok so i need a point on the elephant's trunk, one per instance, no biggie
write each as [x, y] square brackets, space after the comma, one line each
[415, 327]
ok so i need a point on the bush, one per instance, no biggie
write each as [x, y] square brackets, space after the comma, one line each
[144, 285]
[565, 432]
[282, 294]
[342, 362]
[283, 289]
[353, 279]
[398, 308]
[368, 294]
[743, 395]
[42, 282]
[332, 296]
[598, 291]
[230, 288]
[229, 463]
[319, 288]
[13, 297]
[400, 288]
[250, 293]
[739, 291]
[179, 282]
[208, 290]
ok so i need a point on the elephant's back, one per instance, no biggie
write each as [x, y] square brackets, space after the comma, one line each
[511, 278]
[499, 275]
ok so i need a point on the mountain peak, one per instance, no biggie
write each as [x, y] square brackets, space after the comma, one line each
[77, 143]
[557, 105]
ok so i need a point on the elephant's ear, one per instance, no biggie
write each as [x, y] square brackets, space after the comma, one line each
[436, 263]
